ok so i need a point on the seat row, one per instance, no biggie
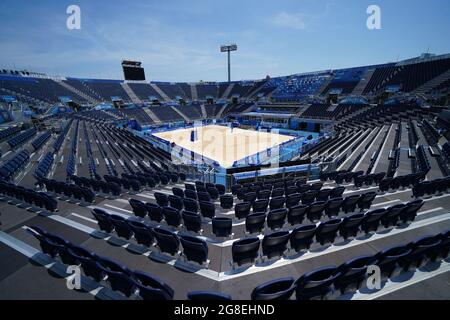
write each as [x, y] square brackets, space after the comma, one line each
[118, 276]
[21, 138]
[4, 134]
[352, 275]
[272, 191]
[430, 188]
[331, 207]
[13, 166]
[194, 249]
[44, 166]
[68, 190]
[29, 196]
[270, 184]
[401, 181]
[41, 140]
[275, 245]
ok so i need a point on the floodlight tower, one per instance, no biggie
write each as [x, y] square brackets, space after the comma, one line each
[229, 49]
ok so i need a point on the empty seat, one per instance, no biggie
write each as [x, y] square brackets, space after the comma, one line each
[226, 202]
[245, 251]
[161, 199]
[103, 220]
[276, 218]
[139, 208]
[334, 207]
[254, 223]
[327, 231]
[151, 288]
[279, 289]
[260, 205]
[221, 189]
[154, 212]
[391, 218]
[296, 214]
[264, 195]
[349, 204]
[166, 241]
[176, 202]
[409, 214]
[302, 237]
[351, 225]
[278, 192]
[353, 274]
[172, 216]
[207, 209]
[194, 249]
[119, 276]
[366, 200]
[192, 221]
[293, 199]
[315, 211]
[316, 284]
[190, 205]
[388, 260]
[203, 196]
[372, 219]
[309, 197]
[121, 226]
[190, 194]
[142, 233]
[242, 210]
[222, 227]
[178, 192]
[274, 245]
[277, 203]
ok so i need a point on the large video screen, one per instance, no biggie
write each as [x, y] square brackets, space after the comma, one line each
[133, 73]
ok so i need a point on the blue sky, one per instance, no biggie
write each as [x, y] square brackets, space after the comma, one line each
[178, 40]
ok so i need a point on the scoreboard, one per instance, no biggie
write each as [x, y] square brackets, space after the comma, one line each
[133, 70]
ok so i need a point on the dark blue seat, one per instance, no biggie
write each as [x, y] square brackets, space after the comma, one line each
[411, 210]
[119, 276]
[353, 274]
[172, 216]
[254, 223]
[221, 188]
[351, 225]
[194, 249]
[207, 209]
[372, 219]
[190, 194]
[213, 193]
[154, 212]
[250, 197]
[337, 192]
[274, 245]
[190, 205]
[327, 231]
[302, 237]
[293, 200]
[309, 197]
[161, 199]
[245, 251]
[334, 207]
[385, 184]
[178, 192]
[176, 202]
[226, 202]
[121, 226]
[316, 284]
[277, 203]
[208, 296]
[423, 249]
[323, 195]
[388, 260]
[242, 210]
[151, 288]
[103, 220]
[349, 204]
[277, 192]
[222, 227]
[279, 289]
[260, 205]
[142, 233]
[139, 208]
[264, 195]
[366, 200]
[316, 210]
[167, 241]
[296, 214]
[276, 218]
[391, 218]
[192, 221]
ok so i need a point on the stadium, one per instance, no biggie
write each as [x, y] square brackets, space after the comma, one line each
[278, 188]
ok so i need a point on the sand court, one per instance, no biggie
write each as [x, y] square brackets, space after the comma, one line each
[223, 144]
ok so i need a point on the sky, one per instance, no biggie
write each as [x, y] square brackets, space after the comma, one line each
[179, 40]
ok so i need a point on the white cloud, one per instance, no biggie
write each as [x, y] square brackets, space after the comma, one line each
[288, 20]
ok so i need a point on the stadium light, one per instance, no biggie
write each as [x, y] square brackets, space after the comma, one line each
[229, 49]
